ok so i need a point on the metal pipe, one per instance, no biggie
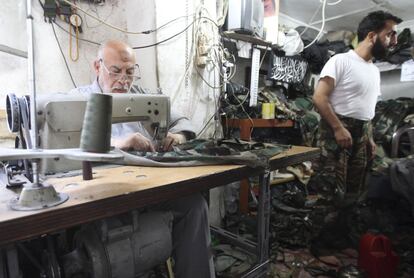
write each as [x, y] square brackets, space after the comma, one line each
[345, 14]
[13, 51]
[31, 85]
[300, 22]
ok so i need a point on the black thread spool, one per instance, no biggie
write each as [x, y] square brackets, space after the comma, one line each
[96, 129]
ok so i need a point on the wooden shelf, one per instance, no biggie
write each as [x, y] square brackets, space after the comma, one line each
[245, 125]
[246, 38]
[385, 66]
[278, 181]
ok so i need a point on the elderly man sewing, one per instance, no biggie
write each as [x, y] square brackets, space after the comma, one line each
[116, 70]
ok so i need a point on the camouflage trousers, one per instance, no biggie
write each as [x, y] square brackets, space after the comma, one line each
[341, 173]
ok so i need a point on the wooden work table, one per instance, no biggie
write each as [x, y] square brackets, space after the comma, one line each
[115, 190]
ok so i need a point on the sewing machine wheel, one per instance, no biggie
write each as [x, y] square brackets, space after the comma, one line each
[13, 112]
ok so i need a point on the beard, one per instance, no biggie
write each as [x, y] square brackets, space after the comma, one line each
[379, 51]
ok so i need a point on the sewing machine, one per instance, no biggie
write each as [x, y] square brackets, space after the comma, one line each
[59, 121]
[60, 118]
[121, 246]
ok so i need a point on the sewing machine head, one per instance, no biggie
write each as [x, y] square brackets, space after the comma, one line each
[60, 119]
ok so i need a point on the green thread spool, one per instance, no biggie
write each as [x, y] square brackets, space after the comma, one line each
[96, 129]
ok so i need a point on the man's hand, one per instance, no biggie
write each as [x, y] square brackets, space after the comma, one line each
[136, 142]
[171, 140]
[343, 137]
[372, 148]
[321, 99]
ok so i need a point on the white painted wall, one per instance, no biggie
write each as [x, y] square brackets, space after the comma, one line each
[140, 16]
[163, 66]
[391, 87]
[178, 76]
[189, 93]
[51, 73]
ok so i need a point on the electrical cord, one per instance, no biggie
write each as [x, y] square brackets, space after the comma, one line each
[231, 86]
[217, 124]
[167, 23]
[100, 20]
[81, 39]
[207, 83]
[63, 55]
[205, 126]
[174, 95]
[124, 31]
[248, 93]
[334, 3]
[240, 102]
[219, 69]
[118, 28]
[199, 29]
[94, 9]
[324, 3]
[54, 22]
[165, 40]
[217, 54]
[74, 59]
[312, 18]
[175, 35]
[322, 27]
[144, 32]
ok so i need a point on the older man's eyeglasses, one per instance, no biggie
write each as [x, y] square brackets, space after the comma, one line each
[132, 74]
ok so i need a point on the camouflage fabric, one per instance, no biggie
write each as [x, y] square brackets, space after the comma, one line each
[292, 222]
[387, 120]
[342, 171]
[409, 120]
[381, 161]
[307, 118]
[302, 111]
[385, 124]
[282, 109]
[234, 104]
[402, 179]
[234, 151]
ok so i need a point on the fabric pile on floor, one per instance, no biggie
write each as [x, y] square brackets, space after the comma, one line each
[310, 238]
[301, 263]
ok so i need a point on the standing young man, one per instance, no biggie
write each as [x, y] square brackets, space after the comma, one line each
[346, 97]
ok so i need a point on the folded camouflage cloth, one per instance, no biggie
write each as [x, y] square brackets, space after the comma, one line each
[208, 152]
[387, 121]
[402, 179]
[307, 118]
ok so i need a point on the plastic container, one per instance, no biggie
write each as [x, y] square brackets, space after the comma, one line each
[268, 110]
[376, 257]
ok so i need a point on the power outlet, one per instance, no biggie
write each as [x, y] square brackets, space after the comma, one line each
[203, 49]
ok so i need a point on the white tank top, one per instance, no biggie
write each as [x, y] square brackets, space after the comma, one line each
[357, 85]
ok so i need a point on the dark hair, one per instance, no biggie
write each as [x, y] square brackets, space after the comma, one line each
[375, 22]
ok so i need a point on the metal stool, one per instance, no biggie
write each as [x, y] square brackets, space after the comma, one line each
[396, 142]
